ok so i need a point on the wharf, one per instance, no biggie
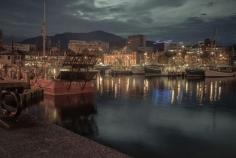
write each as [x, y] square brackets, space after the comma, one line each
[13, 84]
[32, 139]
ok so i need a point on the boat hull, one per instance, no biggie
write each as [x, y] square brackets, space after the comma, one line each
[152, 71]
[77, 76]
[121, 72]
[217, 74]
[60, 87]
[138, 72]
[195, 74]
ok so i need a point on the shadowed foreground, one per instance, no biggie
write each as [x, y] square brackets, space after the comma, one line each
[32, 139]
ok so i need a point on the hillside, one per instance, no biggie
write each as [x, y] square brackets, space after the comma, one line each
[63, 39]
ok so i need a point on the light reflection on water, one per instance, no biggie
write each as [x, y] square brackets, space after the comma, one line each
[163, 90]
[153, 117]
[161, 117]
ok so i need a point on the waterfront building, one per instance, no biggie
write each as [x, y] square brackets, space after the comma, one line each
[233, 56]
[146, 55]
[120, 59]
[160, 46]
[169, 46]
[20, 47]
[79, 46]
[10, 58]
[156, 47]
[136, 41]
[233, 61]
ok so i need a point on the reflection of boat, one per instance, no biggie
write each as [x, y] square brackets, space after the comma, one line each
[220, 71]
[152, 69]
[194, 73]
[74, 112]
[137, 70]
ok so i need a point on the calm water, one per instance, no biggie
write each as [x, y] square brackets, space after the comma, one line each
[153, 117]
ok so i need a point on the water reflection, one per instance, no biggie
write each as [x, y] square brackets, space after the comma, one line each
[163, 90]
[76, 113]
[161, 117]
[152, 117]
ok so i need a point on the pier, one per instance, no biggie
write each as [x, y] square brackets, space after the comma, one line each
[22, 135]
[13, 84]
[15, 96]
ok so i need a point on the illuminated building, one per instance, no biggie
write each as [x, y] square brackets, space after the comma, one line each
[233, 58]
[160, 46]
[79, 46]
[168, 46]
[118, 58]
[135, 41]
[9, 58]
[20, 47]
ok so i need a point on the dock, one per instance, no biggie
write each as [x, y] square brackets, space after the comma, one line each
[13, 84]
[15, 96]
[33, 139]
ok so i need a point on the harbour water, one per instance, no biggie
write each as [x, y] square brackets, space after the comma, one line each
[152, 117]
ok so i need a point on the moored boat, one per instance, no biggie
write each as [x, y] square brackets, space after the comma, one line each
[194, 73]
[137, 70]
[76, 78]
[220, 71]
[60, 87]
[153, 70]
[121, 72]
[103, 69]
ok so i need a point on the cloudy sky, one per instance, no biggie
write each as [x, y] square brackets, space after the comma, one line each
[181, 20]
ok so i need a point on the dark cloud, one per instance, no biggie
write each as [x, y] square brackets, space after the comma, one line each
[158, 19]
[150, 4]
[210, 4]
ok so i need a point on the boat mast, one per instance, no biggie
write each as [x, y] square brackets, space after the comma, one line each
[213, 46]
[44, 29]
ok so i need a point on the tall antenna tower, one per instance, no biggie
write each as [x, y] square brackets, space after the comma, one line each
[44, 28]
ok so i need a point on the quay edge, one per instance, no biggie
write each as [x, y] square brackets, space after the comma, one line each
[38, 139]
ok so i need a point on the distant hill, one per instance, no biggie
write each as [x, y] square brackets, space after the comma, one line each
[63, 39]
[9, 39]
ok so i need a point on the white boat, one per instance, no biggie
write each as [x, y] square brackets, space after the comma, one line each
[137, 70]
[153, 69]
[103, 69]
[220, 71]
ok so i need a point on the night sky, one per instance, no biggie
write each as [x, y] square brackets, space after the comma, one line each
[182, 20]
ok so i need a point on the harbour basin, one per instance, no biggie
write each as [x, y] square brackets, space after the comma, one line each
[152, 117]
